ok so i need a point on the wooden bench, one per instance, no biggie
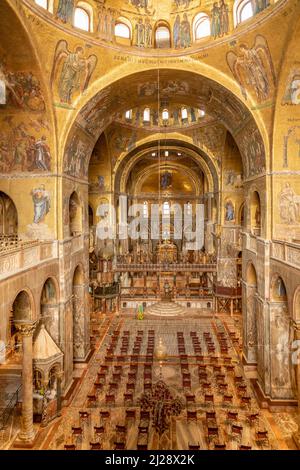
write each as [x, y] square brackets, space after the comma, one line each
[119, 445]
[220, 446]
[130, 414]
[113, 386]
[69, 446]
[121, 429]
[252, 418]
[199, 358]
[208, 398]
[99, 430]
[232, 415]
[77, 430]
[145, 415]
[84, 415]
[91, 400]
[128, 397]
[101, 376]
[191, 415]
[227, 399]
[236, 431]
[95, 446]
[121, 358]
[212, 432]
[142, 446]
[143, 430]
[194, 447]
[190, 398]
[110, 399]
[262, 437]
[132, 376]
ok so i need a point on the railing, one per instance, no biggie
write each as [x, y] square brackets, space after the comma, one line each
[105, 291]
[227, 291]
[146, 292]
[7, 411]
[287, 252]
[77, 243]
[24, 255]
[9, 243]
[157, 267]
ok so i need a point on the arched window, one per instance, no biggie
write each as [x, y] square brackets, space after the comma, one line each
[189, 208]
[122, 31]
[255, 212]
[42, 3]
[82, 19]
[162, 37]
[278, 290]
[91, 216]
[201, 26]
[243, 11]
[128, 114]
[166, 208]
[145, 209]
[165, 115]
[146, 115]
[75, 215]
[8, 217]
[184, 113]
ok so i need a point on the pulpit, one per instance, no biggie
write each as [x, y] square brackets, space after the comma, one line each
[166, 252]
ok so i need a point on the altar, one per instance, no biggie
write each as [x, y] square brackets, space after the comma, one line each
[166, 252]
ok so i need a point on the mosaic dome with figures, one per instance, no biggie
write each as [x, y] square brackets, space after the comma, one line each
[150, 24]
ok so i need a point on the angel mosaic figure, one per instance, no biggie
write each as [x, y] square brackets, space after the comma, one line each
[75, 72]
[253, 68]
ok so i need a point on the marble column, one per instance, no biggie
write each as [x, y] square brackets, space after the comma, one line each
[59, 377]
[27, 329]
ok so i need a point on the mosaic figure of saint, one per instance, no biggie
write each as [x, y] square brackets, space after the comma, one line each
[288, 205]
[176, 32]
[42, 154]
[140, 33]
[185, 30]
[166, 180]
[229, 211]
[41, 203]
[215, 21]
[65, 10]
[148, 33]
[224, 18]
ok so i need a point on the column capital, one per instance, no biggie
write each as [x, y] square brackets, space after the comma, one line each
[25, 328]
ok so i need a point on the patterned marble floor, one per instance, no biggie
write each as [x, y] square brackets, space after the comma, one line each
[218, 406]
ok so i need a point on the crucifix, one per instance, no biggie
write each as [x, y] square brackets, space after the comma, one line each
[162, 405]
